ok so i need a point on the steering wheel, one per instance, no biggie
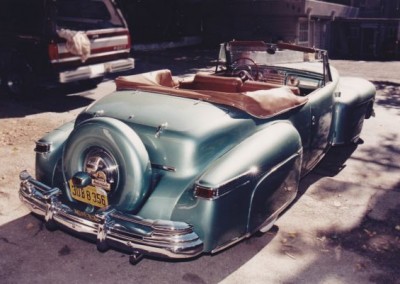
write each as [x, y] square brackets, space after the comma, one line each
[244, 71]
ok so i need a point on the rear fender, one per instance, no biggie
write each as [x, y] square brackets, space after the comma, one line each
[49, 153]
[254, 181]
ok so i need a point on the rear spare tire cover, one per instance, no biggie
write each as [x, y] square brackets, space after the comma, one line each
[110, 150]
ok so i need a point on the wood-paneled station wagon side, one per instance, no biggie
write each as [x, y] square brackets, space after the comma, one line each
[174, 169]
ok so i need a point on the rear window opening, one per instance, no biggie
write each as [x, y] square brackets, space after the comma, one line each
[86, 15]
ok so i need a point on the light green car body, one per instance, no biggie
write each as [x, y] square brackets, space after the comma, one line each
[193, 176]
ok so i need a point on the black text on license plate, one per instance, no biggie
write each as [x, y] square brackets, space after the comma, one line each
[89, 194]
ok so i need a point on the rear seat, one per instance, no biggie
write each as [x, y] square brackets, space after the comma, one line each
[250, 86]
[259, 99]
[204, 81]
[201, 81]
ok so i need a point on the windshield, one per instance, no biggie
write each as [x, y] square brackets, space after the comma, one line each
[87, 15]
[262, 61]
[262, 53]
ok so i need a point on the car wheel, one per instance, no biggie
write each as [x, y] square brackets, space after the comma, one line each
[115, 158]
[17, 79]
[3, 70]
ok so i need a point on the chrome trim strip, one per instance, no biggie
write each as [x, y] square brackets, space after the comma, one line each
[106, 31]
[77, 58]
[160, 238]
[96, 70]
[229, 243]
[163, 167]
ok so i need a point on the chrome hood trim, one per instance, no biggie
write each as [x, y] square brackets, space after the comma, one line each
[111, 228]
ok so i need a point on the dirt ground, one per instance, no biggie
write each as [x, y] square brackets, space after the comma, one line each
[376, 238]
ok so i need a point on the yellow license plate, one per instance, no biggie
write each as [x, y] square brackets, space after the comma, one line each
[89, 194]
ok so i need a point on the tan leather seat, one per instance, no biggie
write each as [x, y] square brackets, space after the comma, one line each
[262, 103]
[249, 86]
[203, 81]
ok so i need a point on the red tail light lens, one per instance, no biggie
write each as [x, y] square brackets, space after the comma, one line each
[204, 192]
[53, 51]
[129, 44]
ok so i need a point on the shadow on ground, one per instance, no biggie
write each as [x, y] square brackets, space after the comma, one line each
[40, 254]
[375, 240]
[370, 249]
[392, 94]
[181, 61]
[57, 99]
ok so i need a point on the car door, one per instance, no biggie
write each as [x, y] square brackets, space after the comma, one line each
[321, 104]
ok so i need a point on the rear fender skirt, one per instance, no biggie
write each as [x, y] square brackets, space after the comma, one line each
[274, 192]
[265, 167]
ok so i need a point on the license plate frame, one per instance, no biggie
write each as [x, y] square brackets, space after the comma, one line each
[89, 194]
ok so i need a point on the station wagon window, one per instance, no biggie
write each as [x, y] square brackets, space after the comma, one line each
[86, 15]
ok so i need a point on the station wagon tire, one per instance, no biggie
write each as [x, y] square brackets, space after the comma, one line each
[18, 79]
[4, 65]
[120, 145]
[2, 70]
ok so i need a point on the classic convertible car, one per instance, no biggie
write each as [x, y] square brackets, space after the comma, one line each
[176, 168]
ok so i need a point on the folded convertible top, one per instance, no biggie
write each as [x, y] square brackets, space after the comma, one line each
[263, 102]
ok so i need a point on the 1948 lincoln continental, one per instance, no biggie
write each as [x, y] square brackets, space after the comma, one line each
[175, 168]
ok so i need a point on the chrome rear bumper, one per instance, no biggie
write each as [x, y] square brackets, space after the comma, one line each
[96, 70]
[110, 227]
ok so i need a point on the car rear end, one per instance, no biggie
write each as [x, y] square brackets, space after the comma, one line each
[96, 25]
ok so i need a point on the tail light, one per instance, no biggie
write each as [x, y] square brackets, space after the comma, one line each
[204, 192]
[129, 43]
[53, 51]
[43, 147]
